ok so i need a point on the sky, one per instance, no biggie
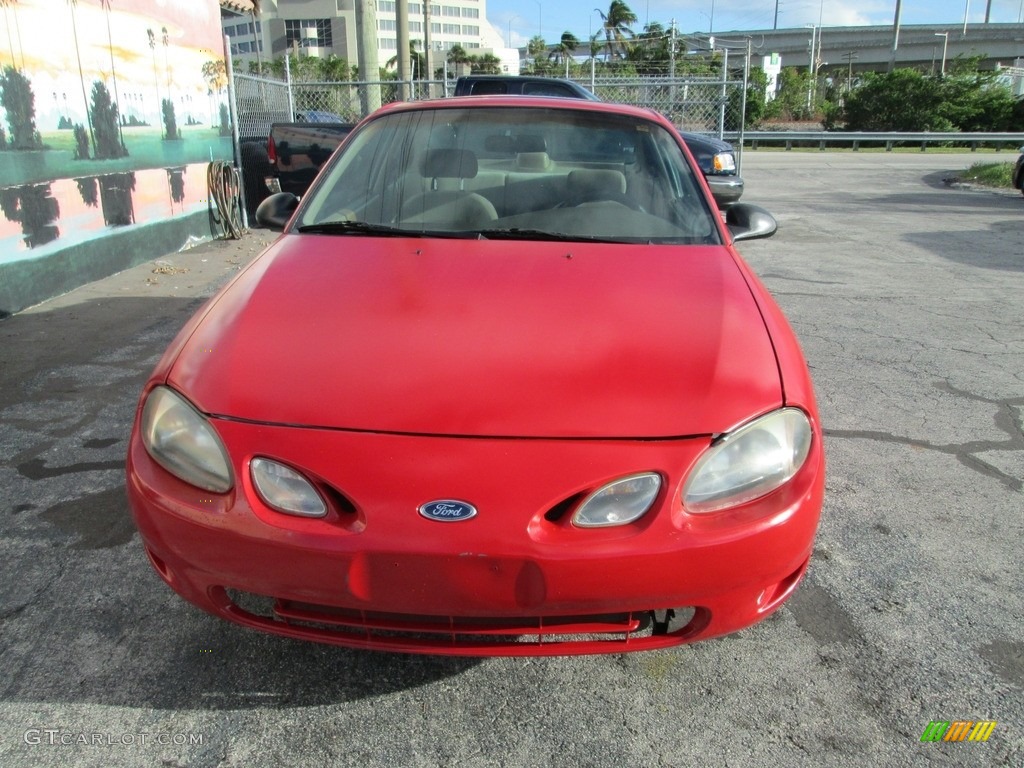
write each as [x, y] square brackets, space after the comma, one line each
[525, 18]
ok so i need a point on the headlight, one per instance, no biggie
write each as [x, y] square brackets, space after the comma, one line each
[752, 461]
[183, 442]
[619, 502]
[724, 162]
[286, 490]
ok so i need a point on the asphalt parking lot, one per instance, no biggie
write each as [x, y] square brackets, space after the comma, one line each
[908, 297]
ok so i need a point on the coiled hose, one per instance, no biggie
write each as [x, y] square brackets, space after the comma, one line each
[224, 200]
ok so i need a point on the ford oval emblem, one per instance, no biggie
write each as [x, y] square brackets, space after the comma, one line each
[448, 511]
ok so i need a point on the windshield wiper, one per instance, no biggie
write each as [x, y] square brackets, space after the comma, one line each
[356, 228]
[515, 233]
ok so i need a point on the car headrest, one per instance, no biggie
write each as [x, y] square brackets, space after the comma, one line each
[531, 142]
[533, 161]
[449, 164]
[586, 184]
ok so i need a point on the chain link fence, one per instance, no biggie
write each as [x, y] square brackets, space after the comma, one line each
[696, 104]
[700, 105]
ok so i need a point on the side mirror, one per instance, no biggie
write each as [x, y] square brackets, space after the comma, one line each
[747, 222]
[275, 211]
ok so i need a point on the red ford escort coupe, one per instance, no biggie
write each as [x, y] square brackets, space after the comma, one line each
[502, 387]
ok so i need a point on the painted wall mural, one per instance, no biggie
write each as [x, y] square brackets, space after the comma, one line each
[110, 111]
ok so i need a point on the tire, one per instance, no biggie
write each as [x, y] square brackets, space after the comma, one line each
[255, 168]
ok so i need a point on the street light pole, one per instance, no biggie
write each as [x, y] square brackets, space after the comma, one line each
[896, 35]
[945, 42]
[810, 67]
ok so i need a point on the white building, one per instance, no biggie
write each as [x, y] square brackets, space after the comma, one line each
[325, 27]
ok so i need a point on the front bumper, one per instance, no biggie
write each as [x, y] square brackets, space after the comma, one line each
[517, 579]
[725, 189]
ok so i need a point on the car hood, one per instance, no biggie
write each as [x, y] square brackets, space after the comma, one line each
[484, 337]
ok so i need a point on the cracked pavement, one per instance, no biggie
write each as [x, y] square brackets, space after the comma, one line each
[907, 298]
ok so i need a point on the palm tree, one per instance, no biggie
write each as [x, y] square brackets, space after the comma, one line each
[113, 72]
[81, 75]
[616, 24]
[156, 77]
[457, 55]
[13, 4]
[486, 64]
[165, 39]
[536, 48]
[564, 50]
[415, 58]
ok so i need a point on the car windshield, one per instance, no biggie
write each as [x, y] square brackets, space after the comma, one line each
[515, 173]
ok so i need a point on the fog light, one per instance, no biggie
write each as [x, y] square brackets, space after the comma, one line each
[285, 490]
[619, 502]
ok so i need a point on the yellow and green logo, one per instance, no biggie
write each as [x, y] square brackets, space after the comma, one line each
[958, 730]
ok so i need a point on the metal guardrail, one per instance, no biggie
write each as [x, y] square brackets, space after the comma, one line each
[751, 139]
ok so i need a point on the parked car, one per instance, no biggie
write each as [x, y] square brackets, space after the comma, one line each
[716, 158]
[503, 386]
[1018, 172]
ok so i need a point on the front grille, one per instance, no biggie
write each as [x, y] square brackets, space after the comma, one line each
[479, 635]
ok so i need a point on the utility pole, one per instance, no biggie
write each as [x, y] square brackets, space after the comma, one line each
[369, 68]
[849, 56]
[672, 63]
[404, 68]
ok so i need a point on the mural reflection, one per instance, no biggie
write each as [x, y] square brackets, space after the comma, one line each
[66, 211]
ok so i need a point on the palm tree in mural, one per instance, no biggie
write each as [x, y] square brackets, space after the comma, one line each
[113, 71]
[13, 4]
[165, 39]
[170, 120]
[81, 75]
[156, 76]
[616, 25]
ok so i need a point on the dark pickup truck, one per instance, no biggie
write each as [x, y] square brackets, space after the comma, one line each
[714, 156]
[296, 151]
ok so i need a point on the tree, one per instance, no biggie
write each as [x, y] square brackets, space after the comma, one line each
[72, 4]
[113, 71]
[486, 64]
[790, 102]
[537, 49]
[757, 86]
[972, 99]
[10, 41]
[105, 122]
[616, 25]
[151, 37]
[649, 51]
[20, 104]
[457, 55]
[565, 48]
[170, 122]
[416, 61]
[901, 100]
